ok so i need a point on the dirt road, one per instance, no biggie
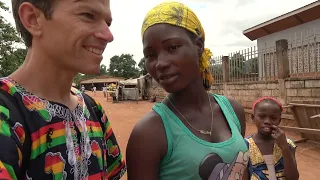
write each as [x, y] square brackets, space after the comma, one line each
[124, 115]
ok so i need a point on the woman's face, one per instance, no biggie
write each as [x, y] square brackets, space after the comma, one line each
[172, 57]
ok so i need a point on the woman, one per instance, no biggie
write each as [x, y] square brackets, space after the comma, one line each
[192, 134]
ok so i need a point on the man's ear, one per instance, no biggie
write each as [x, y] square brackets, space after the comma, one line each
[30, 17]
[200, 45]
[252, 117]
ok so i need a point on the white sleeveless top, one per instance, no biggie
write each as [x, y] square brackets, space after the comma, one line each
[270, 164]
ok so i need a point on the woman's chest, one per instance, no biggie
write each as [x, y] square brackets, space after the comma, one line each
[208, 162]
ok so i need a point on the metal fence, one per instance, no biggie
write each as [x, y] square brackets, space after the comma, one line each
[253, 64]
[261, 64]
[216, 69]
[304, 54]
[247, 65]
[269, 66]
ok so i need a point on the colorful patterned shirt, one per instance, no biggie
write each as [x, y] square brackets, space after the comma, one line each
[64, 143]
[258, 169]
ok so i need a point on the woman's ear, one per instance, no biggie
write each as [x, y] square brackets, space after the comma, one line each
[200, 45]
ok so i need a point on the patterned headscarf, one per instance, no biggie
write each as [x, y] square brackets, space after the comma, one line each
[177, 14]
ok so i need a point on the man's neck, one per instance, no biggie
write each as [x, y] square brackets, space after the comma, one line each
[42, 77]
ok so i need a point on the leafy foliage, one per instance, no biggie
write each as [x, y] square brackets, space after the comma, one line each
[142, 66]
[11, 57]
[123, 66]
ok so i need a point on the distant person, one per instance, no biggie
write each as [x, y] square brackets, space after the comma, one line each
[104, 89]
[272, 154]
[94, 90]
[192, 134]
[44, 122]
[83, 89]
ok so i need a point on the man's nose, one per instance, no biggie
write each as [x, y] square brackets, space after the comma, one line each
[104, 33]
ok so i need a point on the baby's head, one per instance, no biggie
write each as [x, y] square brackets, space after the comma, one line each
[266, 112]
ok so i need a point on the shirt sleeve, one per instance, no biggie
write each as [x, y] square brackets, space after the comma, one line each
[10, 154]
[291, 143]
[115, 161]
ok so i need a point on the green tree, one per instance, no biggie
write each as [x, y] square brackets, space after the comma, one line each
[11, 57]
[78, 78]
[252, 65]
[123, 66]
[103, 69]
[142, 66]
[11, 62]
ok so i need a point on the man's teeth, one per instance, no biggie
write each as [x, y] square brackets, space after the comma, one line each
[95, 50]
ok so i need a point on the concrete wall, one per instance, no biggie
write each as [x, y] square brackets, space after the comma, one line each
[247, 93]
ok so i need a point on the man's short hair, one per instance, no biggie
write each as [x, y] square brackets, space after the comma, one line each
[44, 5]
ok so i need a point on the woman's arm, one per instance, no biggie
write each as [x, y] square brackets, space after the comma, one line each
[239, 110]
[146, 148]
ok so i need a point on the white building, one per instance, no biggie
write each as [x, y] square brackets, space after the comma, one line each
[301, 28]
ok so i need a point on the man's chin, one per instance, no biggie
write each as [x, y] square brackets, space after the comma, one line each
[93, 71]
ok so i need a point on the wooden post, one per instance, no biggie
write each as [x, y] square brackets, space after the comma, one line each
[225, 73]
[283, 67]
[225, 68]
[283, 60]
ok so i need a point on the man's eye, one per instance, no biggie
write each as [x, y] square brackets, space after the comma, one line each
[88, 15]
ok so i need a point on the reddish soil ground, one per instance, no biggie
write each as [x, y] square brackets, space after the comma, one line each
[124, 115]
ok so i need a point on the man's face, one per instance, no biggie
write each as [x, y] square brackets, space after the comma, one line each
[77, 34]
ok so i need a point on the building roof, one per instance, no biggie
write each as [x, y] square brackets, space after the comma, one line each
[101, 79]
[129, 82]
[297, 17]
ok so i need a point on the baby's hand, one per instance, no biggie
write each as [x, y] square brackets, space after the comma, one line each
[280, 137]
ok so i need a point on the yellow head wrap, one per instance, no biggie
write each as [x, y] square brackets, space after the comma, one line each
[178, 14]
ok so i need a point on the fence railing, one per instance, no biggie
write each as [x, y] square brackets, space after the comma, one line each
[247, 65]
[216, 69]
[304, 55]
[300, 55]
[269, 65]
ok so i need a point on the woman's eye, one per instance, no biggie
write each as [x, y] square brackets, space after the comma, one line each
[173, 48]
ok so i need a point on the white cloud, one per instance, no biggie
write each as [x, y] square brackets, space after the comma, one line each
[223, 22]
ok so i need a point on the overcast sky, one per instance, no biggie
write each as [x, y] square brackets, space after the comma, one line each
[223, 22]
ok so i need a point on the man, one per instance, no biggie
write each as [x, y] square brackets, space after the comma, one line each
[104, 89]
[48, 131]
[94, 90]
[82, 88]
